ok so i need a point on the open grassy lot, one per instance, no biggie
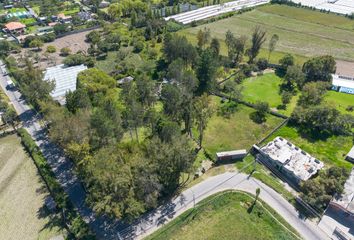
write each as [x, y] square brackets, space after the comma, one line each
[226, 216]
[301, 31]
[340, 101]
[266, 88]
[22, 193]
[236, 132]
[331, 150]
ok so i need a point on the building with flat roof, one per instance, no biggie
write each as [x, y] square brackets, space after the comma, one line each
[294, 163]
[65, 80]
[231, 155]
[343, 79]
[350, 155]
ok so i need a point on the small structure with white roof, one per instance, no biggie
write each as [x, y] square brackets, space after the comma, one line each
[65, 80]
[350, 155]
[294, 163]
[231, 155]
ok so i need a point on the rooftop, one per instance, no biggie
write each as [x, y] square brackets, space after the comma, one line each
[342, 81]
[295, 160]
[14, 26]
[232, 153]
[64, 78]
[345, 200]
[351, 153]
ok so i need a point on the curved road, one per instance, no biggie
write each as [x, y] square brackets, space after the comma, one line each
[222, 182]
[106, 228]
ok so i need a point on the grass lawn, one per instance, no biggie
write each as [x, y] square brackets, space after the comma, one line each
[236, 132]
[71, 11]
[28, 21]
[22, 194]
[226, 216]
[266, 88]
[340, 101]
[262, 88]
[323, 33]
[331, 150]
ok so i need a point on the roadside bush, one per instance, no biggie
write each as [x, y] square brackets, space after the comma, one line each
[74, 222]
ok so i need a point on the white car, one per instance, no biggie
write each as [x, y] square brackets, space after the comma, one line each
[10, 84]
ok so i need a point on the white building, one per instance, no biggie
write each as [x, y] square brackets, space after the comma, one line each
[65, 80]
[336, 6]
[343, 79]
[290, 160]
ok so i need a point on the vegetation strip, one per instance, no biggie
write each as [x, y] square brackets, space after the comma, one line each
[72, 220]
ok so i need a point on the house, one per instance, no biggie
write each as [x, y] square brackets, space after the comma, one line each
[65, 79]
[343, 79]
[289, 160]
[231, 155]
[15, 28]
[64, 19]
[350, 155]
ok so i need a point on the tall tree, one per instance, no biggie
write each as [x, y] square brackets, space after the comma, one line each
[319, 68]
[258, 38]
[203, 112]
[272, 43]
[206, 71]
[203, 37]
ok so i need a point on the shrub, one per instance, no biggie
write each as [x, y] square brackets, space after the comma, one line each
[51, 49]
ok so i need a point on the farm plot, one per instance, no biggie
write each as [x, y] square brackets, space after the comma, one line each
[299, 35]
[22, 194]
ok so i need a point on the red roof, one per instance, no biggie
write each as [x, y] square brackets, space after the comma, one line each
[14, 26]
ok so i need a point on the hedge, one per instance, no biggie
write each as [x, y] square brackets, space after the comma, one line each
[73, 221]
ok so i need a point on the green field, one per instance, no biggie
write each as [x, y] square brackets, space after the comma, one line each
[236, 132]
[226, 216]
[302, 32]
[340, 101]
[330, 150]
[22, 194]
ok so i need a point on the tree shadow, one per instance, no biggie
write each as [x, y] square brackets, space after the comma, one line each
[257, 118]
[54, 219]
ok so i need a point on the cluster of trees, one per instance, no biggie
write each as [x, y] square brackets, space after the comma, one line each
[313, 80]
[9, 115]
[319, 191]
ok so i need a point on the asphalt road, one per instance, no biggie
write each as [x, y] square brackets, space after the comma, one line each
[106, 228]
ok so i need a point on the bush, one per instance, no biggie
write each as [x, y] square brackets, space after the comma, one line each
[138, 46]
[76, 225]
[51, 49]
[262, 64]
[65, 51]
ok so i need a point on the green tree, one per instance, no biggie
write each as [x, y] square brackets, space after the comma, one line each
[313, 93]
[294, 77]
[65, 51]
[319, 68]
[203, 112]
[206, 71]
[36, 43]
[51, 49]
[258, 38]
[272, 44]
[215, 46]
[286, 61]
[203, 37]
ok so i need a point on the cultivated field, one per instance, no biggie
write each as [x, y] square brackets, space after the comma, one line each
[22, 193]
[302, 32]
[236, 132]
[228, 216]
